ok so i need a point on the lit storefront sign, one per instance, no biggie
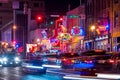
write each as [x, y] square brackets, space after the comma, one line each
[55, 43]
[64, 36]
[77, 31]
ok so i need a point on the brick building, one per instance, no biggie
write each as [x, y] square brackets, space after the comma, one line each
[100, 14]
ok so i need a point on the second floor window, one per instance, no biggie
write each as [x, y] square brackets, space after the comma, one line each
[0, 4]
[36, 4]
[116, 21]
[116, 1]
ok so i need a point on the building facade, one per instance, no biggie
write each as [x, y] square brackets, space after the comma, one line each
[76, 27]
[18, 15]
[99, 13]
[116, 25]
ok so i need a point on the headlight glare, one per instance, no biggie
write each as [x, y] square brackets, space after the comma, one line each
[17, 59]
[4, 59]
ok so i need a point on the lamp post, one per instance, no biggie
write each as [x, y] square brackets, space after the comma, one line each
[15, 5]
[93, 34]
[14, 31]
[108, 34]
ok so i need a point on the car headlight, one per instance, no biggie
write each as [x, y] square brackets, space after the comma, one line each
[17, 59]
[4, 59]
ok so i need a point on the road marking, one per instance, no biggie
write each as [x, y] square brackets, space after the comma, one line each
[78, 77]
[62, 73]
[110, 76]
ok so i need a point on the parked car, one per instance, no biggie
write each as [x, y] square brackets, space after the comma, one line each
[33, 66]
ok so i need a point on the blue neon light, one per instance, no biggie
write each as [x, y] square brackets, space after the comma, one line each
[81, 33]
[107, 27]
[84, 65]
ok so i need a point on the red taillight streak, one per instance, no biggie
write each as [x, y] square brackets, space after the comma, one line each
[67, 61]
[111, 61]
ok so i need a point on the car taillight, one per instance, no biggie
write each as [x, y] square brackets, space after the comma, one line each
[111, 61]
[67, 61]
[64, 59]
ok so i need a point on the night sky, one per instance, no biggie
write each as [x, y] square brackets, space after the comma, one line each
[60, 6]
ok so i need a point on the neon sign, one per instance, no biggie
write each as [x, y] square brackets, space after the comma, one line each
[77, 31]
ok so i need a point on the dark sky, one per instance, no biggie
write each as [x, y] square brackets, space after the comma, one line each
[60, 5]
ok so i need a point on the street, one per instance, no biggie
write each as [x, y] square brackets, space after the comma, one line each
[15, 73]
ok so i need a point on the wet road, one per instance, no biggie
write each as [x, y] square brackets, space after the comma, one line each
[15, 73]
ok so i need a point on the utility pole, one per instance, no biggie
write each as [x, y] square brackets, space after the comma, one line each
[108, 27]
[15, 5]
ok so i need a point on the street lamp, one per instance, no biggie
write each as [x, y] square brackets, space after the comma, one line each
[92, 28]
[14, 29]
[93, 34]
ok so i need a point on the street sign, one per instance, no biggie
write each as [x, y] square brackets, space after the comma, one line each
[73, 16]
[54, 15]
[15, 5]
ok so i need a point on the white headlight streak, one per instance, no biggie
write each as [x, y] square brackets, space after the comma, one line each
[52, 66]
[39, 67]
[78, 77]
[110, 76]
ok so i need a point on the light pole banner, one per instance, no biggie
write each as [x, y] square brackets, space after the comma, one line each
[15, 5]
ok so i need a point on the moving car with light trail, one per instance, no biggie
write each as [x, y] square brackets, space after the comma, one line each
[63, 60]
[94, 59]
[33, 66]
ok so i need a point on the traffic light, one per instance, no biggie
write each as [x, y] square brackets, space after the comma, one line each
[39, 18]
[51, 22]
[61, 19]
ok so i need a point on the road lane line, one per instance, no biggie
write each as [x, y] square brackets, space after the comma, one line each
[105, 75]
